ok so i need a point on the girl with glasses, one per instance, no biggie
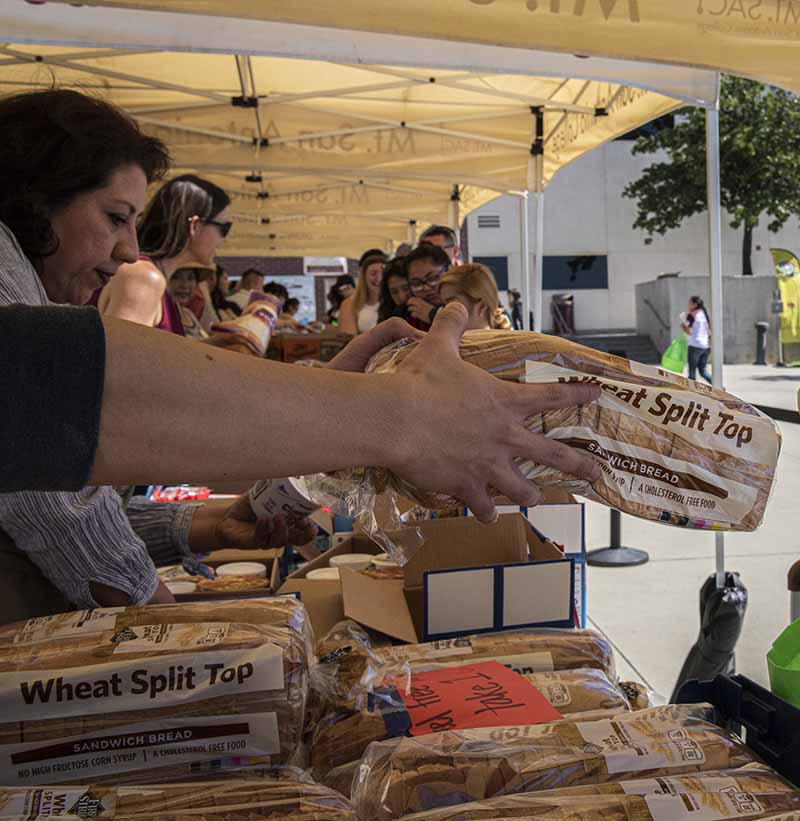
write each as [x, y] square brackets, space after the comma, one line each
[183, 226]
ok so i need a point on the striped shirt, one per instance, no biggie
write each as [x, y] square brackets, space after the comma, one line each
[78, 538]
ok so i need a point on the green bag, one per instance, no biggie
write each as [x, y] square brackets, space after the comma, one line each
[783, 662]
[674, 358]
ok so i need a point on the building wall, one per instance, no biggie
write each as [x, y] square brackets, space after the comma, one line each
[585, 213]
[746, 300]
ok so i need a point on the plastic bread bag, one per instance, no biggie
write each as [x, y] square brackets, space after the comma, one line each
[343, 655]
[640, 696]
[407, 775]
[712, 796]
[354, 494]
[341, 737]
[278, 799]
[529, 650]
[167, 694]
[672, 450]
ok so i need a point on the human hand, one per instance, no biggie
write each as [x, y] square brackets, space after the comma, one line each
[235, 526]
[358, 352]
[469, 425]
[419, 308]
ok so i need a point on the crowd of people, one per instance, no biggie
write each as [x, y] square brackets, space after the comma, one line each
[121, 402]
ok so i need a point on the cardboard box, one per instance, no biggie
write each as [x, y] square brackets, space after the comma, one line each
[323, 599]
[559, 516]
[466, 578]
[273, 576]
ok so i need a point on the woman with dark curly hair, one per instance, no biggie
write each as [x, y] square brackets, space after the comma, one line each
[185, 223]
[73, 178]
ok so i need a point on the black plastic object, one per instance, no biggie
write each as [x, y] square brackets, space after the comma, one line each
[722, 612]
[615, 555]
[768, 725]
[562, 311]
[761, 343]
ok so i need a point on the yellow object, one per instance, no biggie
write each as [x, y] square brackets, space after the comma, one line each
[787, 269]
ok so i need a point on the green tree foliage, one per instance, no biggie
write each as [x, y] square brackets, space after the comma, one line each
[759, 160]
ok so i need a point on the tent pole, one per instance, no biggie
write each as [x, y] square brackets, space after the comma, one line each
[454, 211]
[412, 232]
[525, 260]
[715, 272]
[536, 183]
[538, 268]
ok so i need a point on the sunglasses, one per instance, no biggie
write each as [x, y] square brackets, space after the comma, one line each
[224, 227]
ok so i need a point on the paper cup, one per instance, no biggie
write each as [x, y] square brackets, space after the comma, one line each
[323, 574]
[353, 561]
[384, 560]
[288, 496]
[181, 588]
[249, 569]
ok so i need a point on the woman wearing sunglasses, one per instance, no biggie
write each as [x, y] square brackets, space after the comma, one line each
[185, 223]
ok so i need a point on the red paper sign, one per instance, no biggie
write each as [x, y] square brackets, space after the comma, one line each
[473, 695]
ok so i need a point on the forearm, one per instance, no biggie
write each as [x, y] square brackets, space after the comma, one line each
[176, 390]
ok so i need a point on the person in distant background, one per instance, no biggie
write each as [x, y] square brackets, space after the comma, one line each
[183, 226]
[182, 288]
[359, 312]
[403, 250]
[474, 286]
[252, 280]
[287, 318]
[698, 328]
[343, 288]
[445, 238]
[279, 291]
[394, 291]
[425, 267]
[515, 300]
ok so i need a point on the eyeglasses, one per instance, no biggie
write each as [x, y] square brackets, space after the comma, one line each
[224, 227]
[425, 283]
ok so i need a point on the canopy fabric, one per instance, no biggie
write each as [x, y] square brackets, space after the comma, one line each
[337, 157]
[755, 38]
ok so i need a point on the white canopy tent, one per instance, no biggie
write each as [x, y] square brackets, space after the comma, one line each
[668, 50]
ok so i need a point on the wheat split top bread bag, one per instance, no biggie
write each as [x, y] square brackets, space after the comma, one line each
[152, 694]
[672, 450]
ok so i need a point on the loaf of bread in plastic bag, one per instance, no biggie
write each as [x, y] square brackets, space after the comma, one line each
[278, 610]
[276, 799]
[340, 737]
[531, 650]
[152, 700]
[672, 450]
[733, 794]
[407, 775]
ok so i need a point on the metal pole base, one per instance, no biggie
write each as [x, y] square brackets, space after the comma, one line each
[617, 557]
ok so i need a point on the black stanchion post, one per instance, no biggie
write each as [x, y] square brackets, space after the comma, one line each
[615, 555]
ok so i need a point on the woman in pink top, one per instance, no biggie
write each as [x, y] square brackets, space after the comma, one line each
[185, 223]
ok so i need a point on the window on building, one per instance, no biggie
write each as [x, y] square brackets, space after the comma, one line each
[499, 267]
[576, 272]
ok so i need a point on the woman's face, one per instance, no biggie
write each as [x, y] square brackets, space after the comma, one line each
[478, 315]
[692, 306]
[374, 275]
[96, 234]
[398, 288]
[223, 283]
[181, 285]
[206, 238]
